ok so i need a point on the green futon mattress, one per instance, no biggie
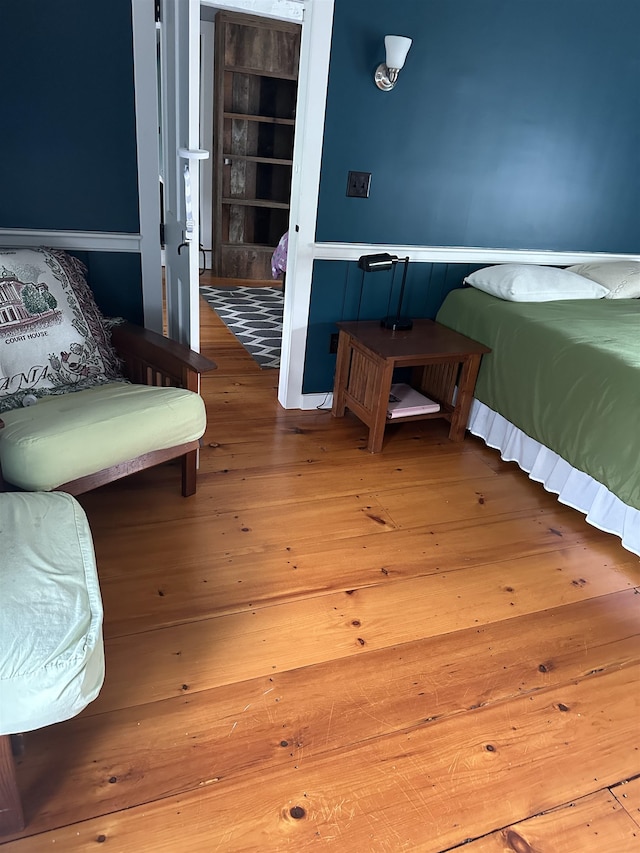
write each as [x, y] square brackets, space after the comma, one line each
[566, 373]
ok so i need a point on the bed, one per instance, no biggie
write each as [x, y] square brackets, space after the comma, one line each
[560, 395]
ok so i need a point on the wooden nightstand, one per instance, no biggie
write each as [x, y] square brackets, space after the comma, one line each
[441, 360]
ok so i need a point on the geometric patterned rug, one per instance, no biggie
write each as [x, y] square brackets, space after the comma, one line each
[254, 315]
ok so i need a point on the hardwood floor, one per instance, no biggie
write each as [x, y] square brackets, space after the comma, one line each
[409, 651]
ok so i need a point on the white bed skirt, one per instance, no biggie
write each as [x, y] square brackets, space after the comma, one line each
[574, 488]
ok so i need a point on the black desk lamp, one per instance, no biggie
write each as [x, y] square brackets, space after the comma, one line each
[384, 261]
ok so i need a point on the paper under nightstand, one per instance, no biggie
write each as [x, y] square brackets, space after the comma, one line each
[405, 401]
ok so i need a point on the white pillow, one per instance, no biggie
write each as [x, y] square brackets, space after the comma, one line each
[621, 278]
[532, 283]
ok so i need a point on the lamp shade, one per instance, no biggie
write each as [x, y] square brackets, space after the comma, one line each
[397, 48]
[373, 263]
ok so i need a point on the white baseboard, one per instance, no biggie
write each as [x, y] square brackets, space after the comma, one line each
[322, 402]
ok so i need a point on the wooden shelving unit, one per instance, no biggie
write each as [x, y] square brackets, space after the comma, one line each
[255, 85]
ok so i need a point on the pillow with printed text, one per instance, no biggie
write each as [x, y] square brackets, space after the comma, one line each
[52, 336]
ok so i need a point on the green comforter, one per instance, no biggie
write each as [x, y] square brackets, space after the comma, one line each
[566, 373]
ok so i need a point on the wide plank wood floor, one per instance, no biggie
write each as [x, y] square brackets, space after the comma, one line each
[413, 651]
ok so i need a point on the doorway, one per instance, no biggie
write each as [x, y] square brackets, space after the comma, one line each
[249, 79]
[248, 99]
[316, 18]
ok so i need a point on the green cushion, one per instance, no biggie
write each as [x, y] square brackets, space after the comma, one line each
[62, 438]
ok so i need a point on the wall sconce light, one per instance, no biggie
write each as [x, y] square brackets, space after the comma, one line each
[373, 263]
[397, 48]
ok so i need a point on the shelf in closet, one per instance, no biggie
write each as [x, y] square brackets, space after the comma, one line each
[272, 161]
[257, 202]
[263, 119]
[260, 72]
[262, 247]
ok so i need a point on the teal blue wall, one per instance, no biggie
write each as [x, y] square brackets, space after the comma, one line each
[68, 143]
[514, 124]
[68, 156]
[115, 279]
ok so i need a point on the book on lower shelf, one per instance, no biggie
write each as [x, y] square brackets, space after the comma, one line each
[405, 401]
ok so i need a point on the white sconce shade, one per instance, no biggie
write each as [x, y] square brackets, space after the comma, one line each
[397, 48]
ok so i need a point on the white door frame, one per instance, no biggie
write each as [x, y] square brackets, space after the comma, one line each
[145, 70]
[315, 49]
[180, 87]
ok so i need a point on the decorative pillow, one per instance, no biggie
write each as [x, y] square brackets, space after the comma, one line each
[621, 278]
[52, 338]
[532, 283]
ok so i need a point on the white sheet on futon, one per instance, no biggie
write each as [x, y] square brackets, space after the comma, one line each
[51, 649]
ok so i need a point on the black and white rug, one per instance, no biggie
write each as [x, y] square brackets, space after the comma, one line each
[254, 315]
